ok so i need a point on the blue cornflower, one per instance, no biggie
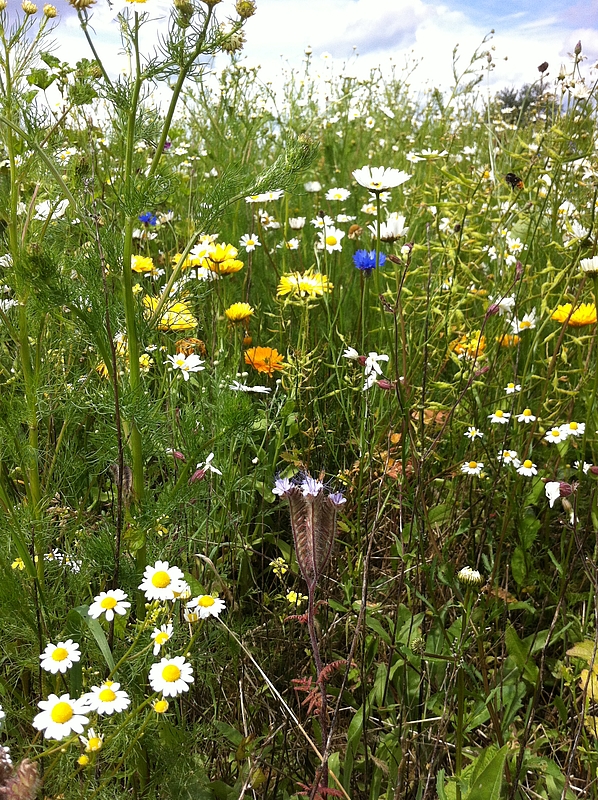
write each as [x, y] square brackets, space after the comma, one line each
[366, 261]
[148, 218]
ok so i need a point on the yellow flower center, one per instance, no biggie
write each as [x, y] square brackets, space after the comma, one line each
[160, 706]
[61, 712]
[375, 185]
[527, 412]
[171, 673]
[473, 464]
[573, 426]
[510, 385]
[524, 324]
[206, 601]
[161, 579]
[555, 433]
[94, 744]
[527, 463]
[60, 654]
[162, 637]
[498, 413]
[108, 602]
[331, 241]
[107, 695]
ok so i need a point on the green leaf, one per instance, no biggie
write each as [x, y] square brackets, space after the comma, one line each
[486, 784]
[520, 654]
[97, 632]
[50, 60]
[587, 650]
[518, 566]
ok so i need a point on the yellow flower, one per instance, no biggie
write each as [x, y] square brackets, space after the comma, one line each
[160, 706]
[83, 760]
[308, 284]
[508, 340]
[264, 359]
[223, 259]
[145, 362]
[296, 599]
[176, 318]
[585, 314]
[470, 345]
[50, 11]
[18, 563]
[239, 312]
[142, 264]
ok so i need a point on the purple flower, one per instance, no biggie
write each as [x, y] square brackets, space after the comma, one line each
[366, 261]
[337, 498]
[311, 486]
[148, 218]
[282, 486]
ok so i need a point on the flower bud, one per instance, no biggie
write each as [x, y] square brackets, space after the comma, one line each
[577, 48]
[80, 4]
[386, 385]
[543, 67]
[50, 11]
[28, 7]
[245, 8]
[470, 577]
[418, 645]
[3, 4]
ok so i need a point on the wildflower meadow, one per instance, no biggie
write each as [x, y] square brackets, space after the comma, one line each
[299, 423]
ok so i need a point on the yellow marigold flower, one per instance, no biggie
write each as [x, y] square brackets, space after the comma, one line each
[190, 261]
[177, 317]
[142, 264]
[585, 314]
[469, 345]
[102, 370]
[145, 362]
[223, 259]
[508, 340]
[265, 359]
[239, 312]
[308, 284]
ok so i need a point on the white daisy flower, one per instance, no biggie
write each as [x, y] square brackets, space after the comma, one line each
[161, 581]
[60, 657]
[243, 387]
[380, 179]
[161, 636]
[526, 416]
[508, 457]
[93, 741]
[512, 388]
[527, 323]
[573, 428]
[108, 698]
[586, 466]
[337, 194]
[330, 238]
[207, 606]
[322, 222]
[61, 716]
[527, 468]
[249, 242]
[171, 676]
[296, 223]
[555, 435]
[109, 603]
[186, 364]
[472, 467]
[553, 491]
[473, 433]
[499, 417]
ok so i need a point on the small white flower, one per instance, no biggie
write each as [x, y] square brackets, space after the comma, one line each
[186, 364]
[171, 676]
[109, 603]
[161, 636]
[330, 238]
[161, 581]
[380, 179]
[249, 242]
[503, 304]
[60, 657]
[526, 416]
[555, 435]
[589, 265]
[61, 716]
[351, 353]
[93, 741]
[553, 491]
[499, 417]
[473, 433]
[312, 186]
[585, 468]
[472, 467]
[242, 387]
[527, 468]
[337, 194]
[527, 323]
[508, 457]
[573, 428]
[108, 698]
[512, 388]
[206, 465]
[296, 223]
[207, 606]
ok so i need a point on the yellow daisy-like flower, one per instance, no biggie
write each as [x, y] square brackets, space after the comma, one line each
[469, 345]
[142, 264]
[308, 284]
[176, 318]
[585, 314]
[265, 359]
[508, 340]
[18, 563]
[239, 312]
[223, 259]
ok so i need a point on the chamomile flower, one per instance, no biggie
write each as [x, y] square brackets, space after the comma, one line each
[472, 467]
[555, 435]
[499, 417]
[527, 468]
[171, 676]
[473, 433]
[512, 388]
[60, 657]
[508, 457]
[573, 428]
[337, 194]
[186, 364]
[93, 741]
[109, 603]
[249, 242]
[207, 606]
[526, 323]
[61, 716]
[161, 581]
[161, 636]
[330, 239]
[108, 698]
[526, 416]
[380, 179]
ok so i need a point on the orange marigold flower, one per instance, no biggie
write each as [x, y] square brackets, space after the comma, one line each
[469, 345]
[508, 340]
[265, 359]
[585, 314]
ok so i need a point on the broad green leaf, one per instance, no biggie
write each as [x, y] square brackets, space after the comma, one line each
[588, 650]
[486, 785]
[518, 566]
[520, 654]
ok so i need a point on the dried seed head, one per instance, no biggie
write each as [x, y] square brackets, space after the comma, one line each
[25, 782]
[233, 39]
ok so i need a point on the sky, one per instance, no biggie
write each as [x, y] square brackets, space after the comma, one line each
[362, 34]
